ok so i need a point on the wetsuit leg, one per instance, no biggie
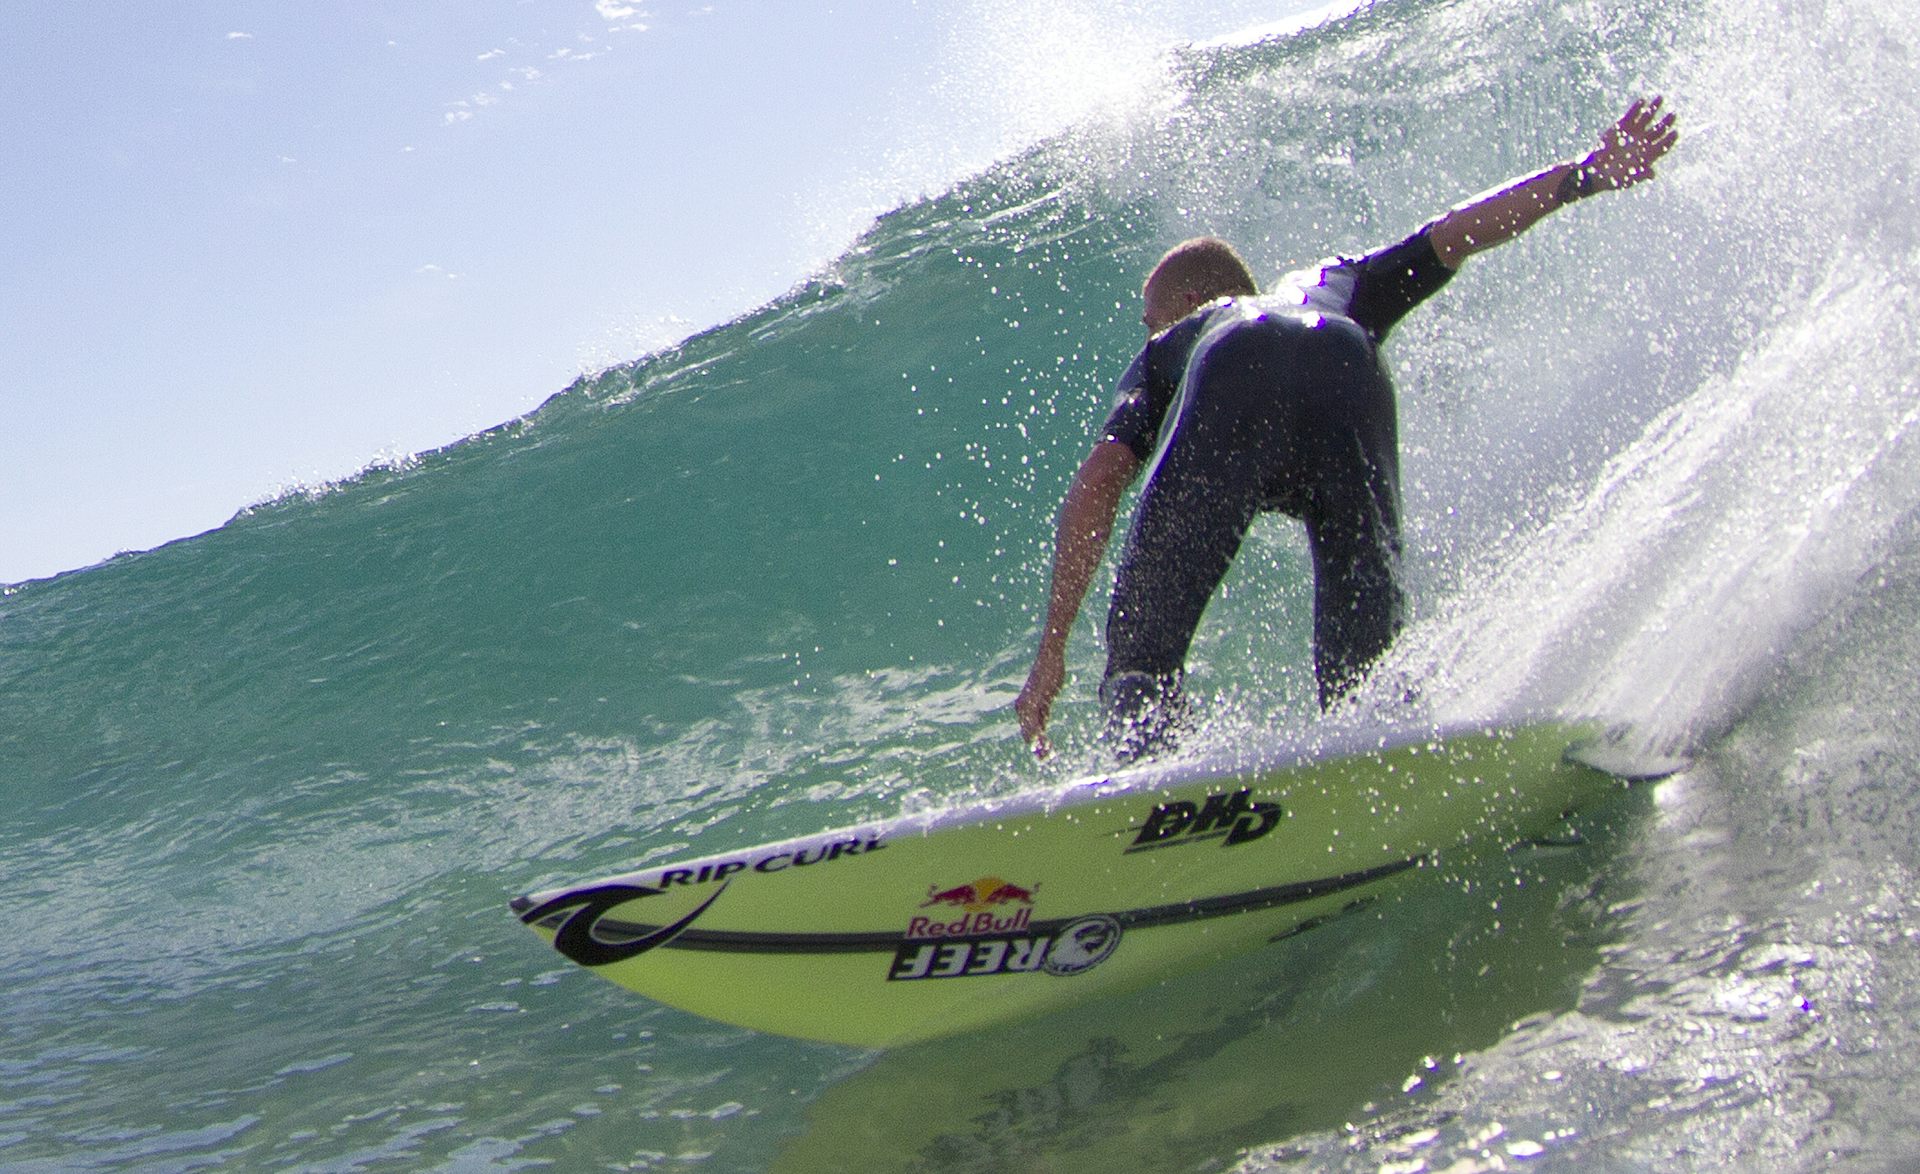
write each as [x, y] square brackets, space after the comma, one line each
[1357, 602]
[1343, 481]
[1203, 490]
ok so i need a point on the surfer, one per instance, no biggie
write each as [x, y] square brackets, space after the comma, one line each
[1244, 403]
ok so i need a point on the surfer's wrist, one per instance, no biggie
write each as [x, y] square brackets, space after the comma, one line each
[1582, 179]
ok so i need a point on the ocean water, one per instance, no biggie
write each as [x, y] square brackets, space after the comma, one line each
[269, 789]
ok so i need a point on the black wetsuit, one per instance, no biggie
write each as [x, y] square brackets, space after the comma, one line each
[1282, 404]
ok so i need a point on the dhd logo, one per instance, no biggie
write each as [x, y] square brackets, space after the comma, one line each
[1232, 817]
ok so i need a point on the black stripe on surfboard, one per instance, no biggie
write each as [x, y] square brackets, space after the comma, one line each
[616, 933]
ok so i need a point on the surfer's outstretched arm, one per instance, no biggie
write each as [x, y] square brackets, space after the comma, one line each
[1626, 155]
[1080, 539]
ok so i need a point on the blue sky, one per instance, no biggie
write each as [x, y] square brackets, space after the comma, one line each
[250, 246]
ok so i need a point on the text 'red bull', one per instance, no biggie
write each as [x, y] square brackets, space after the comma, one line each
[984, 907]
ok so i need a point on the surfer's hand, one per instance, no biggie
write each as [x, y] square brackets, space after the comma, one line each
[1630, 147]
[1035, 703]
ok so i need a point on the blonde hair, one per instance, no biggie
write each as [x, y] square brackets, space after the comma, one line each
[1205, 266]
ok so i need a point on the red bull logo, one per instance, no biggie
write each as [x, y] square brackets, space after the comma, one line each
[988, 905]
[985, 893]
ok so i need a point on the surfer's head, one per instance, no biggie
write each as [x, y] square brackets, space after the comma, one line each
[1192, 274]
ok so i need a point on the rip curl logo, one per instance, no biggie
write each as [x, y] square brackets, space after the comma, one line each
[579, 913]
[1232, 817]
[575, 937]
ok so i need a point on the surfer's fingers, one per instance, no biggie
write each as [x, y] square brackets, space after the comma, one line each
[1660, 135]
[1628, 153]
[1641, 123]
[1636, 116]
[1032, 707]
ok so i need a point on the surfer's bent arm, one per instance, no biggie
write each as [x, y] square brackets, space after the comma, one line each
[1626, 155]
[1080, 540]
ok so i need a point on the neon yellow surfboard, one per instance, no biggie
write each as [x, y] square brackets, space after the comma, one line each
[932, 924]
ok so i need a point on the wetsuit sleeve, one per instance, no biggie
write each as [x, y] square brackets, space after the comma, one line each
[1391, 281]
[1133, 421]
[1146, 391]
